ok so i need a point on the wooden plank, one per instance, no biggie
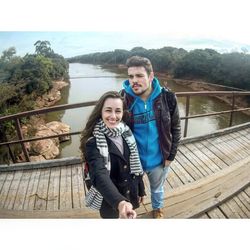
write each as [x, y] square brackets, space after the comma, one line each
[65, 189]
[5, 189]
[247, 191]
[184, 176]
[34, 214]
[218, 152]
[22, 190]
[196, 157]
[10, 200]
[42, 190]
[186, 164]
[220, 164]
[30, 198]
[41, 164]
[81, 185]
[196, 148]
[204, 216]
[54, 189]
[229, 211]
[173, 179]
[2, 180]
[77, 202]
[231, 149]
[236, 208]
[192, 158]
[240, 141]
[227, 151]
[245, 200]
[240, 149]
[245, 133]
[242, 207]
[204, 194]
[216, 213]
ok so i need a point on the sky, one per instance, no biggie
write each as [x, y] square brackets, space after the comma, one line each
[71, 44]
[76, 27]
[103, 26]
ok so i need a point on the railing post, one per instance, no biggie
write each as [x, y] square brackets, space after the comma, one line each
[231, 116]
[187, 113]
[11, 155]
[20, 137]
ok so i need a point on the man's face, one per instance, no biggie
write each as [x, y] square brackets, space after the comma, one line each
[139, 81]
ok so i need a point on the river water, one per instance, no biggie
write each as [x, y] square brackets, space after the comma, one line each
[89, 89]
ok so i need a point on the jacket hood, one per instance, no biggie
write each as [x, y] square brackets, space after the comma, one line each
[156, 89]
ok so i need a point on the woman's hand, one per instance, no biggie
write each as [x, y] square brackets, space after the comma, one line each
[126, 210]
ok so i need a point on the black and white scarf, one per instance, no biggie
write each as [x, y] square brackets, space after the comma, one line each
[93, 198]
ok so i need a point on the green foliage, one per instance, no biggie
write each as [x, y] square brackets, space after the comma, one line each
[230, 69]
[8, 54]
[43, 48]
[22, 79]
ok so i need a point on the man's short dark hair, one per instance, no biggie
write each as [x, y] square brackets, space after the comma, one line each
[138, 61]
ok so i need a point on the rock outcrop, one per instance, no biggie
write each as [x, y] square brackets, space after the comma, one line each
[49, 148]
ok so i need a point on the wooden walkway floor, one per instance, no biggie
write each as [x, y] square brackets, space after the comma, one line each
[210, 178]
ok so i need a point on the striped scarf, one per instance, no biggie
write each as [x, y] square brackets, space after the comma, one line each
[93, 198]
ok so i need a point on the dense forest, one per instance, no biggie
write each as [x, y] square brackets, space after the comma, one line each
[229, 69]
[23, 79]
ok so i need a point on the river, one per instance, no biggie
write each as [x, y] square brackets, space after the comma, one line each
[89, 89]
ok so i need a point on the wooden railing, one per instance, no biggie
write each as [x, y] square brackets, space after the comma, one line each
[21, 140]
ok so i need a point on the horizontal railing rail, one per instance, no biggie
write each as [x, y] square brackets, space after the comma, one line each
[21, 140]
[83, 77]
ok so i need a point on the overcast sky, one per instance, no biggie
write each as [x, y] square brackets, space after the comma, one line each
[190, 24]
[227, 20]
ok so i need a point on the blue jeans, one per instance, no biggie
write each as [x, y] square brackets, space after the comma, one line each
[157, 178]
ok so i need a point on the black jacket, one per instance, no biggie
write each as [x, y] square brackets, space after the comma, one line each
[167, 120]
[117, 185]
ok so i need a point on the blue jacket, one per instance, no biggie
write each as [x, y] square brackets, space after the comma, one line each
[145, 127]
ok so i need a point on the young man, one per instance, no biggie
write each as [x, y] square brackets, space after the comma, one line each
[155, 122]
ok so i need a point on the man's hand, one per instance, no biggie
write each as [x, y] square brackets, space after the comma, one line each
[126, 210]
[167, 163]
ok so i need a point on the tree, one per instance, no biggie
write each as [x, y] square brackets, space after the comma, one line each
[8, 54]
[43, 48]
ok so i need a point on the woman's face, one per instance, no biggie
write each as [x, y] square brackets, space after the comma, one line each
[112, 112]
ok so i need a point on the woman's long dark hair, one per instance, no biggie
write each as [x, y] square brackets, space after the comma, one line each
[94, 118]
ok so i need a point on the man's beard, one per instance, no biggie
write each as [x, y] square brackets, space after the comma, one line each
[143, 91]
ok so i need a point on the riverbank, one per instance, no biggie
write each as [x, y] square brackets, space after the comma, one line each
[195, 85]
[37, 127]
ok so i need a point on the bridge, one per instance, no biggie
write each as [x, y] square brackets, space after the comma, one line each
[210, 178]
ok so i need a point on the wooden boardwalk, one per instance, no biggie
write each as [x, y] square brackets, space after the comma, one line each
[210, 178]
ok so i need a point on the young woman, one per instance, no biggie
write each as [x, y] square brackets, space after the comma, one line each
[109, 148]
